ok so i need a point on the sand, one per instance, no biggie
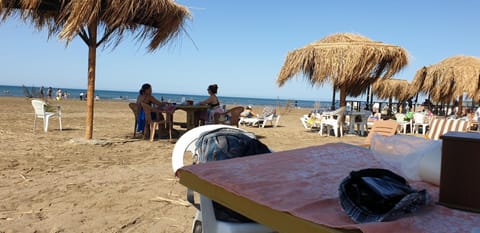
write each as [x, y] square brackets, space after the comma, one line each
[58, 182]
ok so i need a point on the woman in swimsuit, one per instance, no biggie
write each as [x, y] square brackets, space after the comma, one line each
[213, 104]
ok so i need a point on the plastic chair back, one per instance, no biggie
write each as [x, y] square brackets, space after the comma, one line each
[39, 108]
[205, 220]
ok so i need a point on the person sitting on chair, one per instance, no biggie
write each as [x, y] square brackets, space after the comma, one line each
[213, 106]
[145, 96]
[248, 112]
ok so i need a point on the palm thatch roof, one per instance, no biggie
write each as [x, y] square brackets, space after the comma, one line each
[393, 88]
[158, 20]
[450, 78]
[350, 62]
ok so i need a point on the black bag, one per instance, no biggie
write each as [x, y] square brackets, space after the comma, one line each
[375, 195]
[228, 143]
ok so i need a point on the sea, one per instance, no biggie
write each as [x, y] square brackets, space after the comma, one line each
[32, 91]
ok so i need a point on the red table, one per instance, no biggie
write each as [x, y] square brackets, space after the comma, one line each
[297, 191]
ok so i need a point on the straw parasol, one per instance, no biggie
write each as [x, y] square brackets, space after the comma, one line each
[449, 79]
[158, 21]
[392, 88]
[350, 62]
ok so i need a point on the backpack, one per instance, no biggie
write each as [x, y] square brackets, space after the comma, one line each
[228, 143]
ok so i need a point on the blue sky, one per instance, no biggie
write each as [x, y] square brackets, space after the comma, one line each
[241, 46]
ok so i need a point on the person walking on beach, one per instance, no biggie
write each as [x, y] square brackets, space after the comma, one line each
[49, 92]
[81, 96]
[42, 94]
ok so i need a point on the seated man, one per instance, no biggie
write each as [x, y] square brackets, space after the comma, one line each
[248, 112]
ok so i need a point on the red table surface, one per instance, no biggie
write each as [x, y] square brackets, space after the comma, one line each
[304, 182]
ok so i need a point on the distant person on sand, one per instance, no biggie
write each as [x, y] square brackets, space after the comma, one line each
[58, 94]
[42, 94]
[145, 96]
[248, 112]
[49, 92]
[81, 95]
[213, 106]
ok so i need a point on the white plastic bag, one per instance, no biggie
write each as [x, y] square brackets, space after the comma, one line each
[413, 157]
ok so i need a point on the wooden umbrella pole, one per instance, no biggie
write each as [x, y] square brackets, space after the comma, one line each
[343, 96]
[367, 107]
[371, 99]
[333, 100]
[416, 101]
[92, 55]
[390, 106]
[460, 103]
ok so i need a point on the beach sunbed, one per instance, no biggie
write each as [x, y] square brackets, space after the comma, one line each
[268, 115]
[382, 127]
[42, 111]
[441, 126]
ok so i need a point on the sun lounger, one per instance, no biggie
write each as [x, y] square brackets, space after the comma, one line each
[441, 126]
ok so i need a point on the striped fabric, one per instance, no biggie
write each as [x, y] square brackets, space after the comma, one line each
[441, 126]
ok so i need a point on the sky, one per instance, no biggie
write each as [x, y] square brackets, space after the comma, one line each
[241, 46]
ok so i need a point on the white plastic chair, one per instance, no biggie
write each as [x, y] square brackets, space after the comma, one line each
[363, 125]
[205, 221]
[402, 123]
[39, 107]
[419, 121]
[333, 120]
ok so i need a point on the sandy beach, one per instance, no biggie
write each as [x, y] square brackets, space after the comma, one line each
[56, 182]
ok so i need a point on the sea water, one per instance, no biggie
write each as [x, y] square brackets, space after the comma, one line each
[169, 97]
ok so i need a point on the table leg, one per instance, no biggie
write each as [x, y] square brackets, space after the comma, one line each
[352, 124]
[190, 119]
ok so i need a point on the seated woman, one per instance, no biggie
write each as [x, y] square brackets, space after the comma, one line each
[248, 112]
[213, 104]
[145, 96]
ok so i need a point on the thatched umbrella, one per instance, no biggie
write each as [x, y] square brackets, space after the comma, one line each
[449, 79]
[392, 88]
[350, 62]
[156, 20]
